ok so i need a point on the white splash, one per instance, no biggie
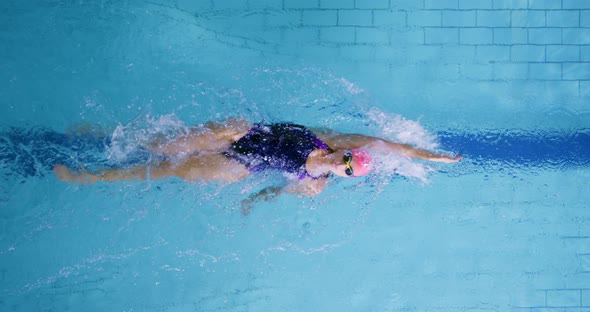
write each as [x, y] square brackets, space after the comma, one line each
[396, 164]
[351, 87]
[398, 129]
[137, 135]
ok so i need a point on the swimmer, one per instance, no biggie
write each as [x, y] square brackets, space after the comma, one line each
[229, 152]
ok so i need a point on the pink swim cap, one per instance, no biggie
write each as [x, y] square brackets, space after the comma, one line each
[362, 162]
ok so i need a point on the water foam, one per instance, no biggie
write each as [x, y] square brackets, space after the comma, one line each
[396, 128]
[393, 164]
[399, 129]
[134, 137]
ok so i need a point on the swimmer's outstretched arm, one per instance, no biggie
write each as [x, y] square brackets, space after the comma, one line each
[351, 141]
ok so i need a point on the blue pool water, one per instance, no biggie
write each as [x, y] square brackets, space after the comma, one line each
[505, 83]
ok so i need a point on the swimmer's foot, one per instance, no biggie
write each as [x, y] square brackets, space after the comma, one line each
[63, 173]
[66, 174]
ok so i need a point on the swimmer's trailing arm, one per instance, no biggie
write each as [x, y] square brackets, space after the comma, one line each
[265, 194]
[307, 187]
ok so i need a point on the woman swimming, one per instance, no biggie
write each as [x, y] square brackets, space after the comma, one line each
[230, 151]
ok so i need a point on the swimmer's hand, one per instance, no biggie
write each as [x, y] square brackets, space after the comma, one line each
[266, 194]
[449, 159]
[426, 155]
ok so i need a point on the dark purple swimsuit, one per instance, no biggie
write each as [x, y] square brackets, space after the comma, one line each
[280, 146]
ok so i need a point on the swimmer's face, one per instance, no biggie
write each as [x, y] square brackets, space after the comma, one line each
[342, 163]
[346, 163]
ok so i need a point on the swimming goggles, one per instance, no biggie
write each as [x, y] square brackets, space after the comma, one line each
[347, 159]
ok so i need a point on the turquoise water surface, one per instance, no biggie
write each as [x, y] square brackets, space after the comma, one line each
[505, 83]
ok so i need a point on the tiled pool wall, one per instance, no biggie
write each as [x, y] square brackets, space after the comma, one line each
[571, 296]
[544, 44]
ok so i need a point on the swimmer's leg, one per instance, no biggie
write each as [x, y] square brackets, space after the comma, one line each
[213, 167]
[66, 174]
[209, 137]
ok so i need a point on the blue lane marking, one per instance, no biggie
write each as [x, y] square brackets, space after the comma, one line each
[30, 152]
[533, 148]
